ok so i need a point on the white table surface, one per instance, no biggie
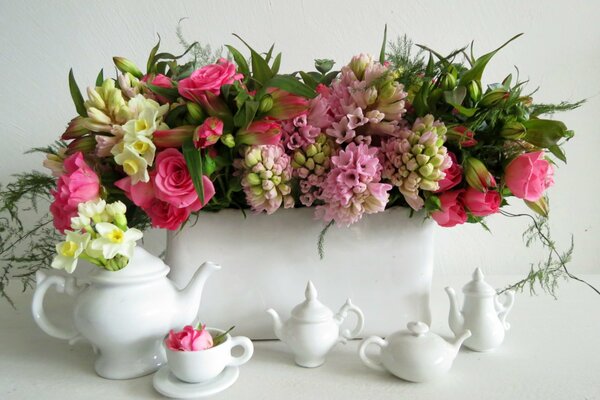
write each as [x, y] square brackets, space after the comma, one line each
[551, 352]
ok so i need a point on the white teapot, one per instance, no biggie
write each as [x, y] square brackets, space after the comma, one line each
[416, 354]
[124, 314]
[482, 313]
[313, 330]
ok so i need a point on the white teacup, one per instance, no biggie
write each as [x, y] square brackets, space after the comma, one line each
[204, 365]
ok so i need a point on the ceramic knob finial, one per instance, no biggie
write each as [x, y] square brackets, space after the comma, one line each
[477, 274]
[311, 291]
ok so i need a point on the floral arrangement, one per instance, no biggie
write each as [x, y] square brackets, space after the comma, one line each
[161, 146]
[194, 339]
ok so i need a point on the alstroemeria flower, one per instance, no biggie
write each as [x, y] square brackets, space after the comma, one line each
[69, 251]
[113, 240]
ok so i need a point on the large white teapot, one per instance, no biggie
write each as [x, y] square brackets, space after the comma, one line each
[124, 314]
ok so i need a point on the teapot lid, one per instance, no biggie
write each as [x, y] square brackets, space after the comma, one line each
[311, 309]
[478, 286]
[143, 266]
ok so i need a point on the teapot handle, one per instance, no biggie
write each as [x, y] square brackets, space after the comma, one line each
[503, 308]
[66, 285]
[341, 316]
[362, 352]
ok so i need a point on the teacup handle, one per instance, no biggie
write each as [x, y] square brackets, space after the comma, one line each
[362, 352]
[248, 347]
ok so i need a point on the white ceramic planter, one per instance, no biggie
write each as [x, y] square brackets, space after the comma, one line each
[384, 263]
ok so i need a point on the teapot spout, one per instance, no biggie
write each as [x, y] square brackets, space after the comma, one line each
[460, 339]
[190, 295]
[455, 318]
[277, 323]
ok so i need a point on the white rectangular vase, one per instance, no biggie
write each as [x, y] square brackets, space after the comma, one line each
[383, 263]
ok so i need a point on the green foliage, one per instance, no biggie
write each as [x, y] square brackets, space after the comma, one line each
[201, 55]
[321, 241]
[548, 272]
[23, 251]
[409, 65]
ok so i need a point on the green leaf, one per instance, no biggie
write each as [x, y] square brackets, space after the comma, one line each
[382, 51]
[151, 60]
[209, 165]
[251, 110]
[433, 203]
[193, 159]
[479, 65]
[170, 93]
[545, 133]
[309, 80]
[456, 96]
[240, 60]
[558, 153]
[329, 77]
[269, 53]
[324, 65]
[291, 85]
[276, 64]
[261, 72]
[100, 78]
[467, 112]
[76, 95]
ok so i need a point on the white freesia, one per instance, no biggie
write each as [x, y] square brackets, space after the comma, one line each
[69, 251]
[93, 209]
[133, 164]
[80, 222]
[116, 208]
[113, 240]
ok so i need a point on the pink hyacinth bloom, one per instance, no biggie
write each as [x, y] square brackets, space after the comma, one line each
[352, 187]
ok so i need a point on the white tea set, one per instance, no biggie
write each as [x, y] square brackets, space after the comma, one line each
[415, 354]
[125, 315]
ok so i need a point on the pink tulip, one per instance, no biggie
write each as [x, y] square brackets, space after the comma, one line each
[189, 339]
[286, 105]
[208, 133]
[481, 204]
[529, 175]
[452, 212]
[77, 185]
[260, 132]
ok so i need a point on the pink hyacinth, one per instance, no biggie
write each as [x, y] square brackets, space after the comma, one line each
[352, 187]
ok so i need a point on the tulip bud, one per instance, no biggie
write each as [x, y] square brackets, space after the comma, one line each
[513, 130]
[195, 112]
[540, 206]
[448, 82]
[477, 175]
[266, 103]
[228, 140]
[124, 65]
[494, 97]
[84, 144]
[75, 129]
[474, 89]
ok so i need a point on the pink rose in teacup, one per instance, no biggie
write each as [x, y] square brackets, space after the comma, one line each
[189, 339]
[199, 355]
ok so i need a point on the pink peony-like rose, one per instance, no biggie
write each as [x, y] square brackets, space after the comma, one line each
[189, 339]
[173, 182]
[164, 215]
[77, 185]
[452, 212]
[481, 204]
[208, 133]
[453, 175]
[159, 80]
[529, 175]
[209, 78]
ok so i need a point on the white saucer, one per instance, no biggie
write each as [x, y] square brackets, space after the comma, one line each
[168, 385]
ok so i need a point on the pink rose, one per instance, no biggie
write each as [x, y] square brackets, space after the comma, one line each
[173, 182]
[208, 79]
[529, 175]
[453, 175]
[77, 185]
[452, 212]
[208, 133]
[189, 339]
[481, 204]
[159, 80]
[164, 215]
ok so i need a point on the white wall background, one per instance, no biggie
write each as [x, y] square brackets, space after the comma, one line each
[560, 52]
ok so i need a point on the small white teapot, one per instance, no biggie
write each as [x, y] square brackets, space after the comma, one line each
[416, 354]
[313, 330]
[482, 313]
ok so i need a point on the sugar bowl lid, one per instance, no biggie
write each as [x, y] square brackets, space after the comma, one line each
[311, 309]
